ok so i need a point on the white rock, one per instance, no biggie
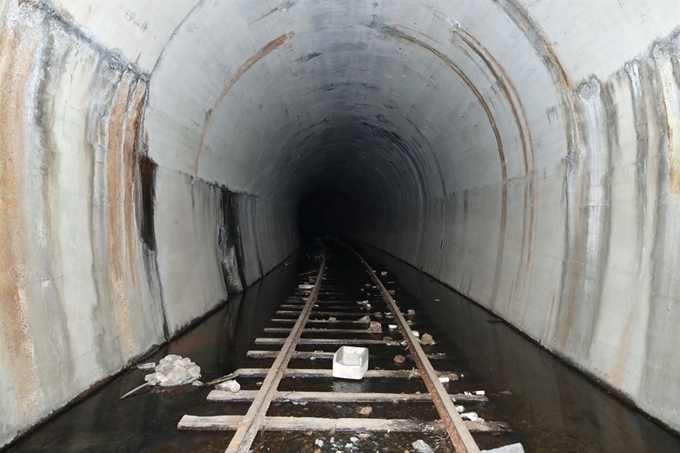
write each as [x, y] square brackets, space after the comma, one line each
[231, 386]
[514, 448]
[422, 447]
[480, 393]
[472, 416]
[146, 366]
[318, 443]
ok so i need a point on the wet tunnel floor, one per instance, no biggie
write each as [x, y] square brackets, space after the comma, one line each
[551, 407]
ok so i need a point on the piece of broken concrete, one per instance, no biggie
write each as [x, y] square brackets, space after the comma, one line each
[366, 319]
[472, 416]
[422, 447]
[375, 327]
[230, 385]
[146, 366]
[426, 339]
[514, 448]
[174, 370]
[365, 410]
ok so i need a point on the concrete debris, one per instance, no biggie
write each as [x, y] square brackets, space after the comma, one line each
[422, 447]
[399, 359]
[365, 410]
[444, 379]
[386, 338]
[426, 339]
[383, 273]
[174, 370]
[416, 333]
[318, 443]
[460, 409]
[375, 327]
[480, 393]
[146, 366]
[231, 386]
[514, 448]
[472, 416]
[332, 319]
[410, 312]
[366, 319]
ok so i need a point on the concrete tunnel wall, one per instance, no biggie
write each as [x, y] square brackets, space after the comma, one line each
[154, 154]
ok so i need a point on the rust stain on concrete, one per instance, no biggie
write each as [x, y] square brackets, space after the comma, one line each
[669, 89]
[551, 317]
[114, 206]
[510, 92]
[132, 128]
[16, 52]
[245, 67]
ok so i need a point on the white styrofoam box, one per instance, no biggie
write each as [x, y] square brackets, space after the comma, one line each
[350, 362]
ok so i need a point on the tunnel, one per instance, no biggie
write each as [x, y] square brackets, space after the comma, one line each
[158, 156]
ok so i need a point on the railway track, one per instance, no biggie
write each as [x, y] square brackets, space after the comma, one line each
[328, 311]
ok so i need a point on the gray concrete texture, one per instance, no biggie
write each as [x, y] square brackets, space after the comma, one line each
[154, 153]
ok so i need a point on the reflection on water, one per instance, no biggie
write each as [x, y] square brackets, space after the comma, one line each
[554, 408]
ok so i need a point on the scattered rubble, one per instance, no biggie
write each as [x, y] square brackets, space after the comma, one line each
[514, 448]
[375, 327]
[422, 447]
[399, 359]
[364, 410]
[366, 319]
[230, 385]
[426, 339]
[172, 370]
[146, 366]
[472, 416]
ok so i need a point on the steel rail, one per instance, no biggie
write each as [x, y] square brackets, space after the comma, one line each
[254, 418]
[455, 426]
